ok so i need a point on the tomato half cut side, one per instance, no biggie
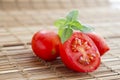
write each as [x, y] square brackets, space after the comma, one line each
[79, 53]
[99, 42]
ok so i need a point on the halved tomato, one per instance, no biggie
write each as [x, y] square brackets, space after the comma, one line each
[99, 42]
[46, 45]
[79, 53]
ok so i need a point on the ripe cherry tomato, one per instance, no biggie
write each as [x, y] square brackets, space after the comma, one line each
[79, 53]
[46, 45]
[99, 42]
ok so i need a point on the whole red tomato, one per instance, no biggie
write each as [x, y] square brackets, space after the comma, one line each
[46, 45]
[79, 53]
[99, 42]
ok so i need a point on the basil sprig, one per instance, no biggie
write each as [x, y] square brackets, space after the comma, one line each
[70, 23]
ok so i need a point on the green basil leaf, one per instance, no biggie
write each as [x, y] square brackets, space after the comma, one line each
[67, 32]
[60, 31]
[75, 25]
[60, 22]
[73, 15]
[87, 28]
[70, 23]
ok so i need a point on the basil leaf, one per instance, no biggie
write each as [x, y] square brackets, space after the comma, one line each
[75, 25]
[73, 15]
[67, 32]
[60, 22]
[86, 28]
[60, 31]
[70, 23]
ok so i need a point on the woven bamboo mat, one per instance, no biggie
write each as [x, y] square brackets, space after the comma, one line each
[20, 19]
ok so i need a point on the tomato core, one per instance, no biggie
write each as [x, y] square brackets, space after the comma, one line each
[82, 46]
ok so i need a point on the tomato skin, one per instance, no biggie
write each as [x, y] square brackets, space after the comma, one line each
[45, 45]
[70, 61]
[99, 42]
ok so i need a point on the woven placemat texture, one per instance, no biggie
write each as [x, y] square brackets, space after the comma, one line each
[50, 4]
[20, 19]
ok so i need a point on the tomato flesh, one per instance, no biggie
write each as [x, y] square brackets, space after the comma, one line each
[79, 53]
[46, 45]
[99, 42]
[78, 45]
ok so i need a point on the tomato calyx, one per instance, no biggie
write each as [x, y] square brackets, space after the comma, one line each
[53, 51]
[82, 46]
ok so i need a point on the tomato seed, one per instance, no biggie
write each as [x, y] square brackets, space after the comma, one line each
[77, 42]
[83, 60]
